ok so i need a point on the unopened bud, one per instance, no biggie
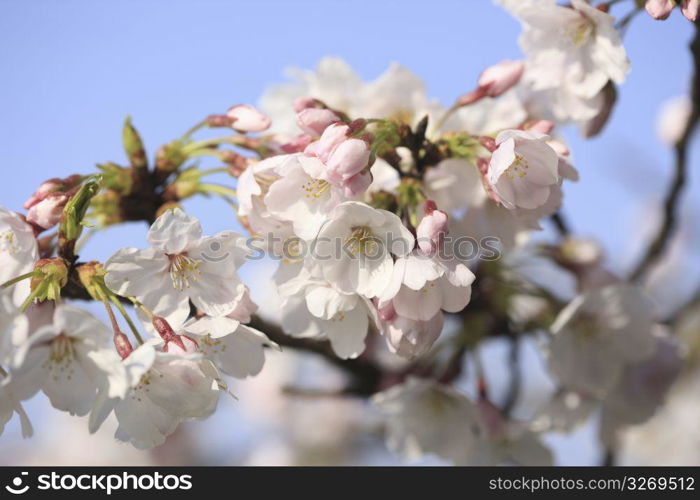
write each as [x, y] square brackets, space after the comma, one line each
[55, 185]
[501, 77]
[659, 9]
[348, 159]
[72, 220]
[186, 184]
[52, 277]
[91, 275]
[170, 157]
[122, 344]
[133, 145]
[116, 178]
[247, 118]
[432, 229]
[314, 121]
[690, 8]
[236, 163]
[218, 121]
[48, 212]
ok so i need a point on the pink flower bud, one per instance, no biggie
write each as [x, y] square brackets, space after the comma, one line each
[47, 213]
[471, 97]
[174, 343]
[314, 121]
[55, 185]
[305, 102]
[690, 9]
[296, 144]
[348, 159]
[247, 118]
[181, 344]
[122, 344]
[245, 307]
[219, 121]
[432, 229]
[331, 138]
[501, 77]
[659, 9]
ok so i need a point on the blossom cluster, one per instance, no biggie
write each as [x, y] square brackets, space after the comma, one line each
[359, 190]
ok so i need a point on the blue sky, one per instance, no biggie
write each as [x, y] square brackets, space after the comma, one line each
[72, 70]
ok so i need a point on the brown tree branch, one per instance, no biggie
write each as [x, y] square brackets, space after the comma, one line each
[659, 243]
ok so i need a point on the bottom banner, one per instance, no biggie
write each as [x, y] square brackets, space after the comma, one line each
[500, 482]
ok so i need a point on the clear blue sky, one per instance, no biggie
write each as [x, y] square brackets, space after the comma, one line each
[71, 70]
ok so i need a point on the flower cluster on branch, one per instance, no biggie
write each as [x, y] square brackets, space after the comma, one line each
[391, 220]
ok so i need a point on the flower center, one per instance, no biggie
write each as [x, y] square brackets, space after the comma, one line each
[361, 241]
[184, 271]
[315, 189]
[518, 168]
[580, 31]
[61, 349]
[8, 242]
[292, 251]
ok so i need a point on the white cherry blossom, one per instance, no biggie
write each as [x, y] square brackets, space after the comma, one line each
[180, 265]
[18, 251]
[163, 390]
[234, 348]
[523, 169]
[69, 360]
[598, 334]
[354, 248]
[303, 196]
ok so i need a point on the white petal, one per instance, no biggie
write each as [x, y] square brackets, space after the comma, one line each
[174, 232]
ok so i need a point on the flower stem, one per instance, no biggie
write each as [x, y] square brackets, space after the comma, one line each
[122, 310]
[145, 309]
[29, 300]
[217, 189]
[112, 318]
[194, 128]
[16, 280]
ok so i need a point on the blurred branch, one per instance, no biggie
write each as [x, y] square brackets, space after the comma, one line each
[669, 223]
[365, 375]
[560, 224]
[515, 381]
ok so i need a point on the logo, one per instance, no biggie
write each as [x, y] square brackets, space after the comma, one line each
[17, 483]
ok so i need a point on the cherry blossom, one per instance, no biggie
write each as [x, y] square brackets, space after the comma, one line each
[180, 265]
[18, 251]
[591, 338]
[523, 169]
[369, 238]
[69, 360]
[163, 389]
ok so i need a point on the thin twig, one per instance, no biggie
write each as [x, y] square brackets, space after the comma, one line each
[659, 243]
[560, 224]
[366, 376]
[515, 382]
